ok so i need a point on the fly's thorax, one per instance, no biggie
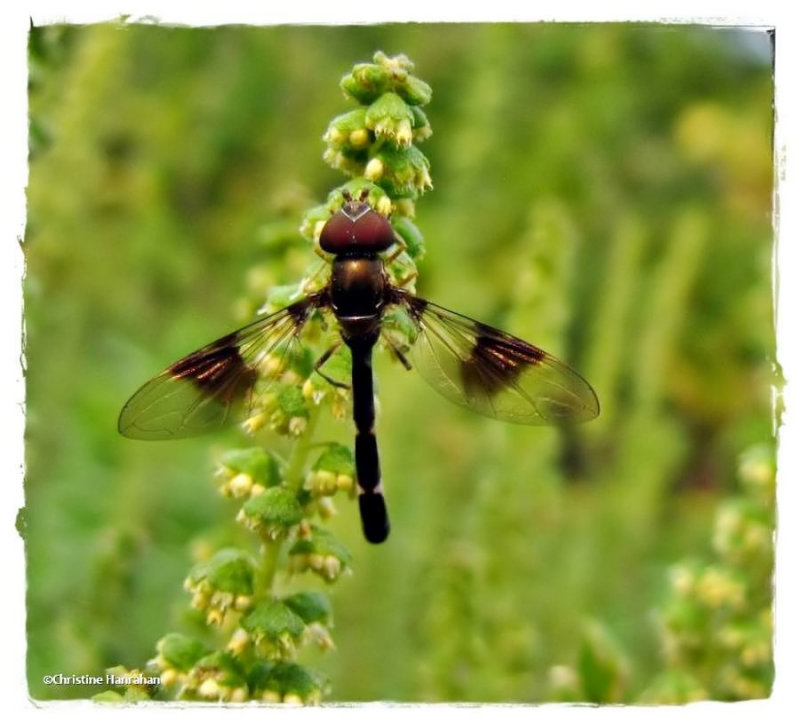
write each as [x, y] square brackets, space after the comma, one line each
[358, 287]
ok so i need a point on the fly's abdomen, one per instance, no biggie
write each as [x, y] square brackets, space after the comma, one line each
[374, 517]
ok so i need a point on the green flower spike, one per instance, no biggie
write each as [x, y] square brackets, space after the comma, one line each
[257, 634]
[376, 141]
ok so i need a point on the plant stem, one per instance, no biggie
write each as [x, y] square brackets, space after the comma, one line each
[293, 480]
[270, 551]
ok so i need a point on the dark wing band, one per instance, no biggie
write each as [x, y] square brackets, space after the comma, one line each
[213, 386]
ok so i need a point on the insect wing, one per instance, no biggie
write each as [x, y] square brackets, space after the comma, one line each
[215, 385]
[494, 373]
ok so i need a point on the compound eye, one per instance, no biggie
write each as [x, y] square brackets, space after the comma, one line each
[373, 231]
[356, 227]
[337, 234]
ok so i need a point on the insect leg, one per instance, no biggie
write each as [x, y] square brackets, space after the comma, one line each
[398, 354]
[321, 362]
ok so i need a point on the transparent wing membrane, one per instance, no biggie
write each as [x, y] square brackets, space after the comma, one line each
[493, 373]
[216, 385]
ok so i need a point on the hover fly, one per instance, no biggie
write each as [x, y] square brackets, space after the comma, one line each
[470, 363]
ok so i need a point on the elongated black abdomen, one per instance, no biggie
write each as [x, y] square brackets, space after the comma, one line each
[374, 516]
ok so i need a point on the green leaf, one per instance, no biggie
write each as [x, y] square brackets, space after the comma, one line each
[273, 620]
[410, 233]
[387, 113]
[336, 458]
[229, 570]
[224, 666]
[256, 462]
[414, 91]
[181, 652]
[275, 507]
[260, 675]
[292, 402]
[340, 133]
[321, 542]
[295, 679]
[366, 82]
[287, 678]
[405, 171]
[311, 607]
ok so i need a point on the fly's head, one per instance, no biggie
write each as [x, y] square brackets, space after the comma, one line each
[356, 229]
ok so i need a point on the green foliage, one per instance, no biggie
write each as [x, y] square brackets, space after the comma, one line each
[180, 652]
[602, 666]
[602, 190]
[716, 622]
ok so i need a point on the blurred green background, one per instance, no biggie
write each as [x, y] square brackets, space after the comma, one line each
[601, 190]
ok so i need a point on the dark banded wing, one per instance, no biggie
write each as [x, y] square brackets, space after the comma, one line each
[494, 373]
[215, 385]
